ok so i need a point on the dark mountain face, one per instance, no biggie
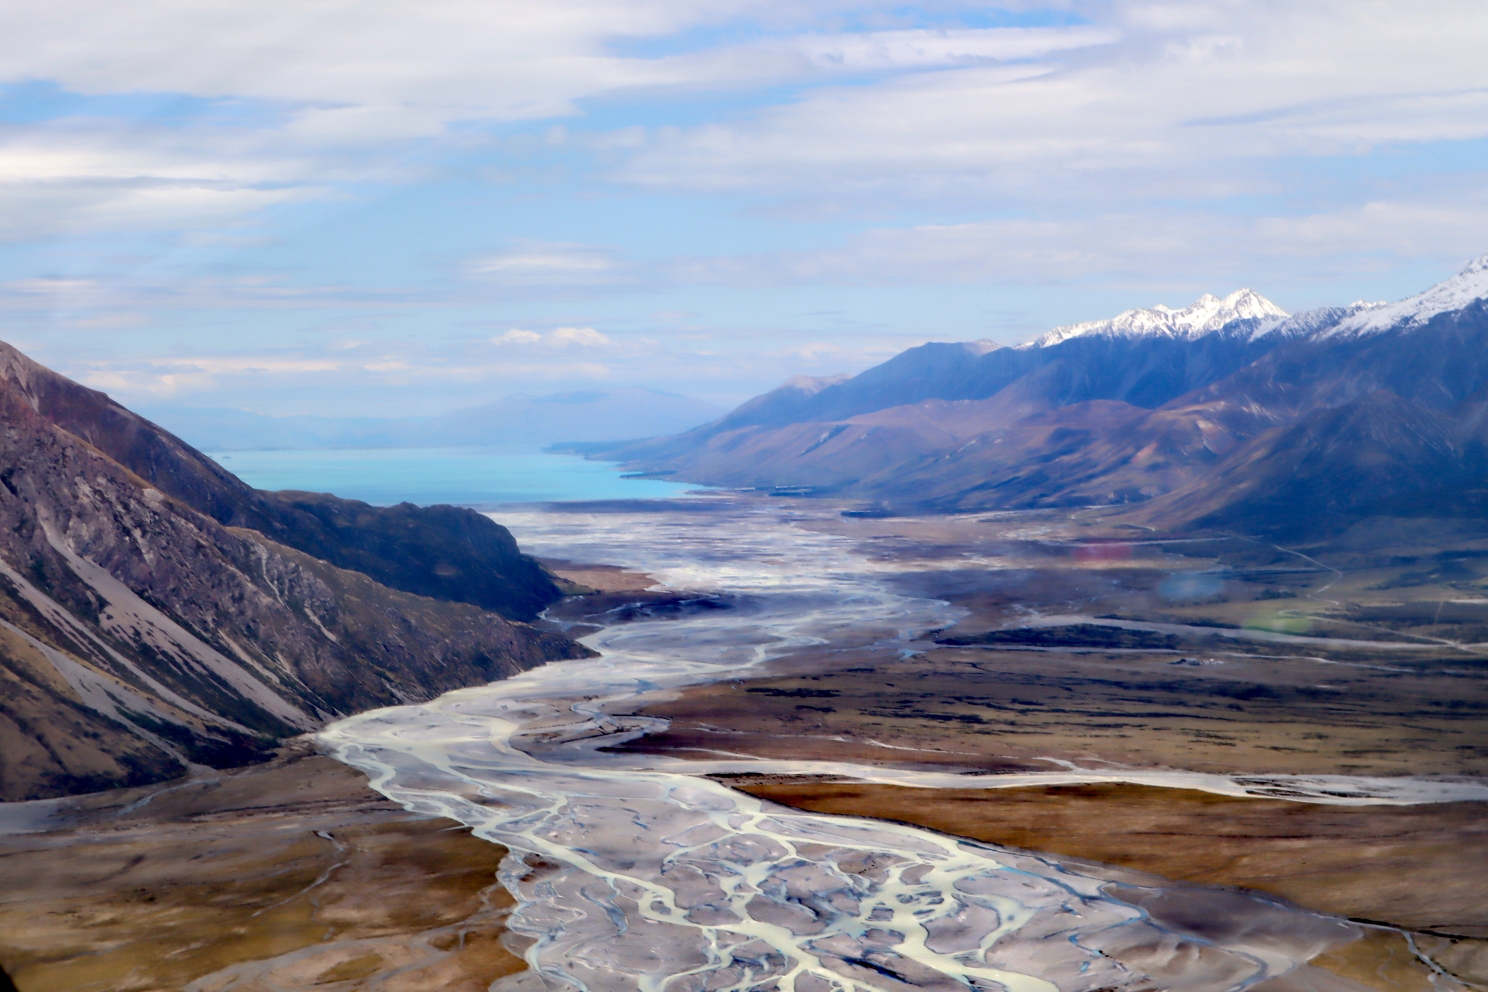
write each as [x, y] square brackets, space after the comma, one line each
[1329, 465]
[763, 442]
[931, 371]
[1256, 423]
[1437, 365]
[445, 552]
[1145, 372]
[1361, 421]
[139, 634]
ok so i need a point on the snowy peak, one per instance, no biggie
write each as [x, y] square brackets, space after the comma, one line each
[1204, 316]
[1466, 287]
[1311, 322]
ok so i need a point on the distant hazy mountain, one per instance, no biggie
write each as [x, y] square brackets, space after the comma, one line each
[519, 419]
[1228, 411]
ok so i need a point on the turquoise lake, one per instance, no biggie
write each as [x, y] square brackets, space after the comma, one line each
[466, 476]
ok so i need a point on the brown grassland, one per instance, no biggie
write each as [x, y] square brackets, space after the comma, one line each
[290, 875]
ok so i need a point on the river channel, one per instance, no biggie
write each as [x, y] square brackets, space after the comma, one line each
[636, 872]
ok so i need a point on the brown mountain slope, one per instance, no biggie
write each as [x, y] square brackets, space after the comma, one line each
[820, 456]
[1325, 421]
[138, 635]
[1436, 365]
[1222, 463]
[842, 455]
[1145, 370]
[443, 551]
[1095, 453]
[1333, 462]
[1235, 420]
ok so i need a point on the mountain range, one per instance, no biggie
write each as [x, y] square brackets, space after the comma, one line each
[1229, 412]
[156, 613]
[516, 420]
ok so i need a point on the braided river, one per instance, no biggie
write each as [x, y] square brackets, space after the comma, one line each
[638, 872]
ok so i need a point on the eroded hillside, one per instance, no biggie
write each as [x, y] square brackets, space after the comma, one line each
[139, 635]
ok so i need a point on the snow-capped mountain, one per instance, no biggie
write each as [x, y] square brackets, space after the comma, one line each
[1227, 412]
[1309, 322]
[1204, 316]
[1463, 289]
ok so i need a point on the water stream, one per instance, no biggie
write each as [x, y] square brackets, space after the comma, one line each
[633, 872]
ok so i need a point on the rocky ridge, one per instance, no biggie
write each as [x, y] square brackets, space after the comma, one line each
[1205, 315]
[147, 626]
[1462, 290]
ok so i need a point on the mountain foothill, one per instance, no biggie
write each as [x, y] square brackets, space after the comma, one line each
[157, 614]
[1229, 413]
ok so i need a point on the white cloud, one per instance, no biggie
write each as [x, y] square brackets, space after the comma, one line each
[407, 63]
[219, 376]
[1449, 228]
[1149, 247]
[1097, 153]
[335, 80]
[1176, 100]
[66, 178]
[581, 337]
[147, 385]
[548, 265]
[386, 377]
[175, 290]
[559, 338]
[61, 207]
[231, 364]
[517, 336]
[1149, 101]
[175, 376]
[1448, 223]
[361, 125]
[941, 48]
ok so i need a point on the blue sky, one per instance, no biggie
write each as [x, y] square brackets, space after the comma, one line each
[374, 207]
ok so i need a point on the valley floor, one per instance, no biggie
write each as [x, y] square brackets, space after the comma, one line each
[1081, 649]
[290, 875]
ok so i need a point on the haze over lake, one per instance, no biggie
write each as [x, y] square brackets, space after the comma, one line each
[467, 476]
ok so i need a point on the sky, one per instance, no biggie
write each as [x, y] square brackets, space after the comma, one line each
[366, 207]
